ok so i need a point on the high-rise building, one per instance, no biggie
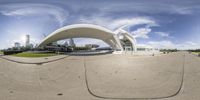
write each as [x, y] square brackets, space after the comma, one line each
[27, 43]
[71, 42]
[66, 43]
[17, 44]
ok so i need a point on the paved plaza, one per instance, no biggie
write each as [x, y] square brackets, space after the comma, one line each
[173, 76]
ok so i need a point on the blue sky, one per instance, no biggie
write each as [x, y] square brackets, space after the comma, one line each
[160, 23]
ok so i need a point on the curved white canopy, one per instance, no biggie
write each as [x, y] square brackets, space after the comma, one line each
[84, 31]
[129, 37]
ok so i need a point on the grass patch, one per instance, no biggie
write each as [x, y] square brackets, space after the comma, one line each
[28, 54]
[196, 52]
[1, 52]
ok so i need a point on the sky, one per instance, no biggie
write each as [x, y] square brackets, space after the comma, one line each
[159, 23]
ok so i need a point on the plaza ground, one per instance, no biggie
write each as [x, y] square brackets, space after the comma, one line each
[173, 76]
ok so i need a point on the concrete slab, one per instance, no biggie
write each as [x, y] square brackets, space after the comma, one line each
[39, 60]
[123, 76]
[59, 80]
[65, 79]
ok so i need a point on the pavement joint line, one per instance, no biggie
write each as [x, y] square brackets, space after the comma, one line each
[86, 68]
[102, 97]
[37, 63]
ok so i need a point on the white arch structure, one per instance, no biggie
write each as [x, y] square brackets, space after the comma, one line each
[86, 31]
[129, 37]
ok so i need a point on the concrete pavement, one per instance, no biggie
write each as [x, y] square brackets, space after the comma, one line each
[103, 77]
[26, 60]
[124, 76]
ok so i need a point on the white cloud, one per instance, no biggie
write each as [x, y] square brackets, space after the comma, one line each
[141, 33]
[166, 44]
[118, 23]
[189, 45]
[26, 9]
[162, 34]
[133, 22]
[21, 40]
[174, 7]
[83, 41]
[182, 10]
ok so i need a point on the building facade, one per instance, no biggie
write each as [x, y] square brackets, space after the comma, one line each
[119, 40]
[17, 45]
[27, 42]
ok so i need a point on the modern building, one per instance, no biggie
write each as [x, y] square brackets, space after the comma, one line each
[92, 46]
[147, 48]
[54, 43]
[27, 42]
[66, 43]
[71, 42]
[17, 45]
[119, 40]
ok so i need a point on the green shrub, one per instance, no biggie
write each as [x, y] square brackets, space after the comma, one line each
[10, 52]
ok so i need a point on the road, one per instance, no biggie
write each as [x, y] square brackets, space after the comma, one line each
[172, 76]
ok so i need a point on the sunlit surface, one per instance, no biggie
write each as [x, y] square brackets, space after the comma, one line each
[126, 76]
[172, 76]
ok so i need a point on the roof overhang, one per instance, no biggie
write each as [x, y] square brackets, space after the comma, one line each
[83, 31]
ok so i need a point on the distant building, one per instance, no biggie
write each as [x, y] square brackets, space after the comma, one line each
[91, 46]
[71, 42]
[27, 43]
[66, 43]
[146, 48]
[17, 45]
[54, 43]
[31, 46]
